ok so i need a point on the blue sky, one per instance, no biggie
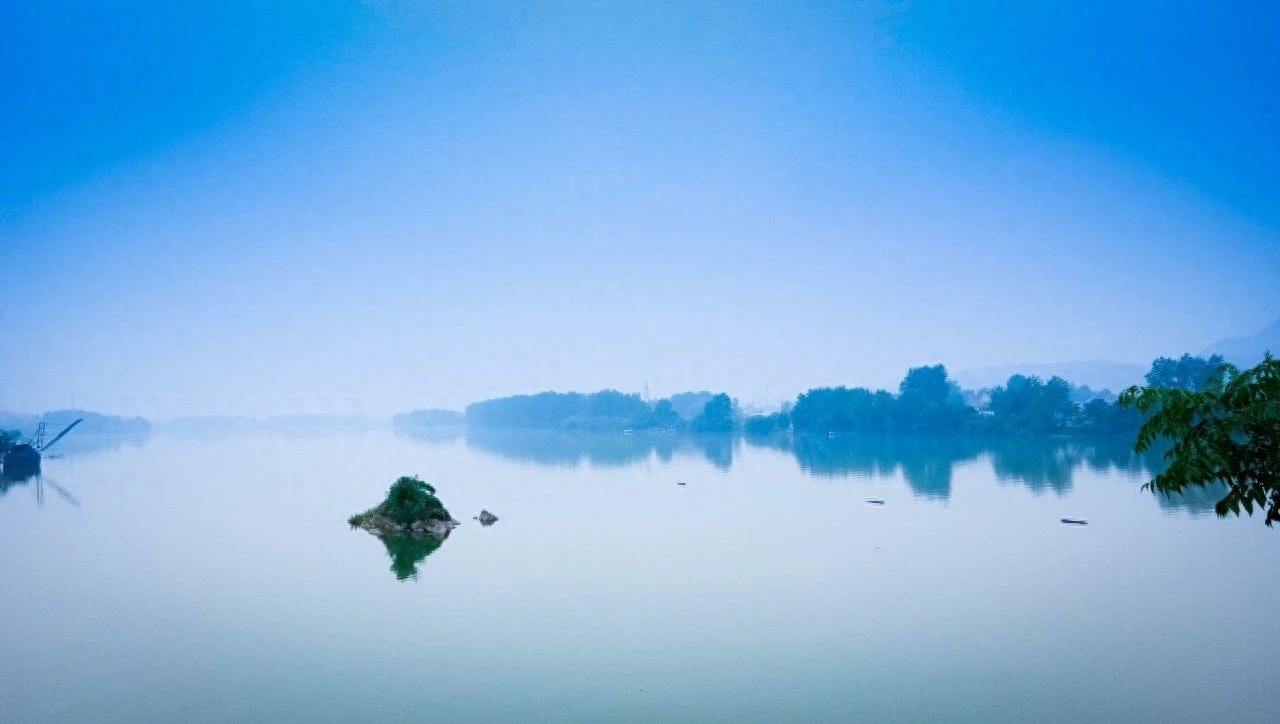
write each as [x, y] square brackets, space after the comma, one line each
[370, 207]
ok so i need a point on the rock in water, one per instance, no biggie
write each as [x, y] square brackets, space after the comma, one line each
[486, 518]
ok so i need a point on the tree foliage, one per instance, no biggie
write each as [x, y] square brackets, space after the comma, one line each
[1224, 430]
[1029, 404]
[411, 499]
[716, 416]
[773, 424]
[927, 401]
[1185, 373]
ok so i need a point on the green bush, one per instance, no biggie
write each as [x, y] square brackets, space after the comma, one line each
[411, 499]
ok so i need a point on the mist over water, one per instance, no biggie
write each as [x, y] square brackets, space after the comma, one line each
[207, 577]
[787, 342]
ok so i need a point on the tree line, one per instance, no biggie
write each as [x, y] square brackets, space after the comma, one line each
[927, 401]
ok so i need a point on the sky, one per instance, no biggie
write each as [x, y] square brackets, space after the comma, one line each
[243, 208]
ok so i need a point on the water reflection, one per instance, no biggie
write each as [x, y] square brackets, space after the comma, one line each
[430, 433]
[94, 443]
[408, 553]
[926, 463]
[567, 449]
[1038, 464]
[718, 450]
[38, 483]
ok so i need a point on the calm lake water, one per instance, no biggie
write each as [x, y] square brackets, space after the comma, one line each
[213, 578]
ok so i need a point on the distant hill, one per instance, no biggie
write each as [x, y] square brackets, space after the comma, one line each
[1247, 351]
[55, 420]
[18, 421]
[1098, 374]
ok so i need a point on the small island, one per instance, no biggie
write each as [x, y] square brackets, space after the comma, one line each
[411, 510]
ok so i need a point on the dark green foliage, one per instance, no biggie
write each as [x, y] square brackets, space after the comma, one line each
[411, 499]
[1194, 374]
[1227, 431]
[716, 416]
[408, 500]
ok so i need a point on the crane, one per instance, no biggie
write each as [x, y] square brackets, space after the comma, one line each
[23, 461]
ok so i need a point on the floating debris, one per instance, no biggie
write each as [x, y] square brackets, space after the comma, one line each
[1074, 521]
[875, 501]
[681, 482]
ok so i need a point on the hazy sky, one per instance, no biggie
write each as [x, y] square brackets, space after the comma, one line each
[375, 207]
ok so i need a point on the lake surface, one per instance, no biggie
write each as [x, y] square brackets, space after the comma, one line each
[213, 578]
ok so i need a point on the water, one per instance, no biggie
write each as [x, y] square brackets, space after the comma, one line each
[213, 578]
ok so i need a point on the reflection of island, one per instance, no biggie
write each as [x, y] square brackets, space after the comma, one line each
[436, 434]
[1038, 464]
[718, 449]
[407, 552]
[925, 460]
[568, 449]
[599, 449]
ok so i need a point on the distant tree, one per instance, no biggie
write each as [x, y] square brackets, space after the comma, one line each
[1099, 415]
[767, 424]
[689, 404]
[662, 417]
[840, 409]
[1084, 394]
[716, 416]
[929, 402]
[1185, 373]
[927, 385]
[604, 410]
[1227, 433]
[1028, 404]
